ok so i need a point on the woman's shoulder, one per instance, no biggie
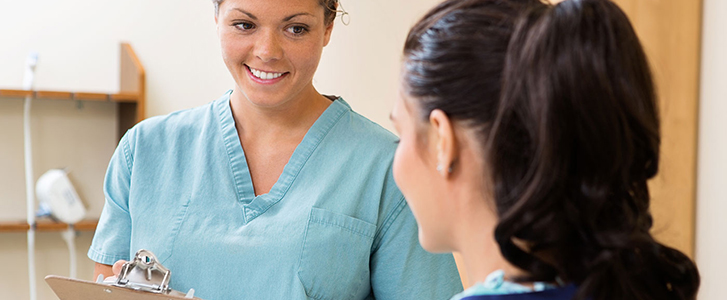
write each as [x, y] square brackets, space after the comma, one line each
[561, 293]
[191, 122]
[185, 119]
[495, 287]
[176, 120]
[360, 129]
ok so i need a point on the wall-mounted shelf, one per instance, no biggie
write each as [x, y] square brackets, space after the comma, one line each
[130, 101]
[22, 226]
[73, 96]
[130, 98]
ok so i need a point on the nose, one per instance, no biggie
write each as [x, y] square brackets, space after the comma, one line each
[268, 47]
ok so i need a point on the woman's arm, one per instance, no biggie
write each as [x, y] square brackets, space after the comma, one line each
[106, 270]
[112, 237]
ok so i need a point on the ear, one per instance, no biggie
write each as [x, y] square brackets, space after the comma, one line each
[217, 24]
[327, 34]
[442, 135]
[217, 14]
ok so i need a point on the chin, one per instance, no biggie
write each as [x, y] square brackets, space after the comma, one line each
[432, 244]
[263, 102]
[264, 99]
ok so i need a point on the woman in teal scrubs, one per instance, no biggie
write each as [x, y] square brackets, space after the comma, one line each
[528, 134]
[272, 191]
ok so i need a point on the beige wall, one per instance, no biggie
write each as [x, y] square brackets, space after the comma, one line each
[712, 167]
[78, 42]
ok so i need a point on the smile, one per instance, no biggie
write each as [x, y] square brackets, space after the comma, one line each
[263, 75]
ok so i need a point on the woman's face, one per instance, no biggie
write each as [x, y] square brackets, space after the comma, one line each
[272, 47]
[415, 172]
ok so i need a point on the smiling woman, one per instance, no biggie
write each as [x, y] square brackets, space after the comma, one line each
[269, 184]
[259, 42]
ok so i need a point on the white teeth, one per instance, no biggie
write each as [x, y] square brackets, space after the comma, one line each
[265, 75]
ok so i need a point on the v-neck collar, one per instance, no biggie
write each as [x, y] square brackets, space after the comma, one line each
[254, 206]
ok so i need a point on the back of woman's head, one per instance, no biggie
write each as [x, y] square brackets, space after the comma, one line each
[578, 105]
[454, 57]
[566, 115]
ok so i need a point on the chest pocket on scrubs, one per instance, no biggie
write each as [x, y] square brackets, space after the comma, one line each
[156, 231]
[334, 262]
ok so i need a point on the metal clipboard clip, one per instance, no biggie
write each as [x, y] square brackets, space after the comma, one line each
[145, 273]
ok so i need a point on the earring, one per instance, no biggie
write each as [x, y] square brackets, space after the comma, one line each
[440, 168]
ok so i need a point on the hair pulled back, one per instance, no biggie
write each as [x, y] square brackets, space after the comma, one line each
[330, 6]
[564, 105]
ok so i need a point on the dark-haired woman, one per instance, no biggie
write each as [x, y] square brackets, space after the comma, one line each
[528, 133]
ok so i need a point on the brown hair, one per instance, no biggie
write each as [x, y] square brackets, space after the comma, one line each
[330, 6]
[564, 105]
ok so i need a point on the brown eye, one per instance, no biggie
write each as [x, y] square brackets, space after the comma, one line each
[245, 26]
[297, 30]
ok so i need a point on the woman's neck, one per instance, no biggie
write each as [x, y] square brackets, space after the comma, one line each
[292, 118]
[474, 226]
[476, 244]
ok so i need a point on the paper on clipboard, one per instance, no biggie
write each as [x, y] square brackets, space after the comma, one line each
[74, 289]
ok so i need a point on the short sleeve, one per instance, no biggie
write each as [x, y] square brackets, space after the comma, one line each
[402, 269]
[113, 233]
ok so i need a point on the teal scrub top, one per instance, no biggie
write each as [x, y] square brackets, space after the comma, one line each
[334, 225]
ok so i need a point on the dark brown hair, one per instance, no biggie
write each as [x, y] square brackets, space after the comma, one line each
[564, 106]
[330, 9]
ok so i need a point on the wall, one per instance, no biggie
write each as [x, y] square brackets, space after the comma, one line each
[78, 42]
[711, 199]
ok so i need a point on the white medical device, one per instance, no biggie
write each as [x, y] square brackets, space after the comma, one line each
[57, 197]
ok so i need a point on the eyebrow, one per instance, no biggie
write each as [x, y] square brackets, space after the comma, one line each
[295, 15]
[247, 13]
[284, 19]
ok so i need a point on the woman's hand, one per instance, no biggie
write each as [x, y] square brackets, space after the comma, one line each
[116, 269]
[108, 271]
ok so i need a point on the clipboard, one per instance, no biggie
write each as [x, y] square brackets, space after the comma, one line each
[75, 289]
[144, 278]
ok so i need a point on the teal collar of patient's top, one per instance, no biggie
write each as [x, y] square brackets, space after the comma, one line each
[495, 284]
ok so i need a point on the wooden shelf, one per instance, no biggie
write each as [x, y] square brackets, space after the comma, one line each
[130, 98]
[74, 96]
[22, 226]
[130, 101]
[15, 93]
